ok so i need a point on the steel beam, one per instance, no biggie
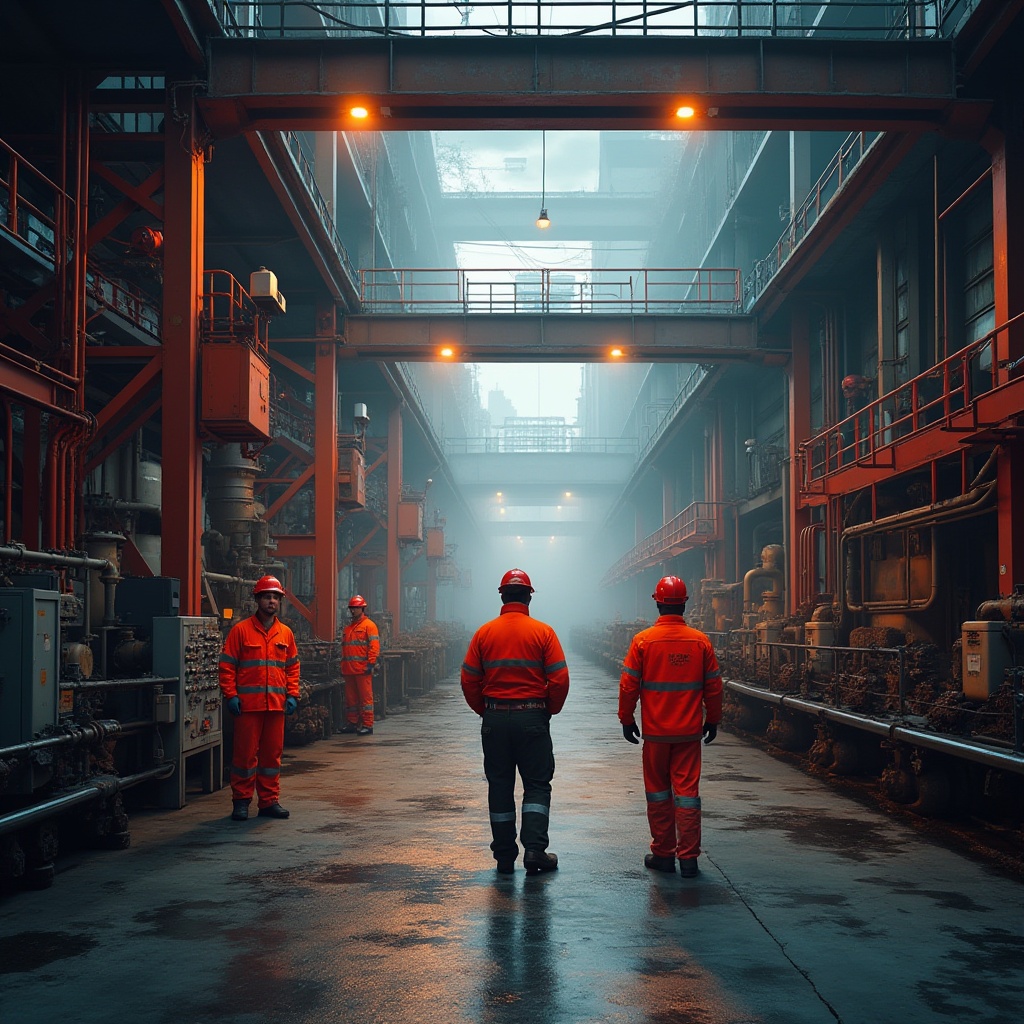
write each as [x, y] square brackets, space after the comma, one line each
[735, 84]
[554, 337]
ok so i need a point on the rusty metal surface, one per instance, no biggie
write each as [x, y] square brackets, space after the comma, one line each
[378, 901]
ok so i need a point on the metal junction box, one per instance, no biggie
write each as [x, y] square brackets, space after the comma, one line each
[986, 654]
[235, 392]
[188, 647]
[29, 652]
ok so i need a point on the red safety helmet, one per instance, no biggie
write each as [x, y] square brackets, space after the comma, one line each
[357, 602]
[515, 578]
[670, 590]
[266, 585]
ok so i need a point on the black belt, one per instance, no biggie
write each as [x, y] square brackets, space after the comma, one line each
[515, 705]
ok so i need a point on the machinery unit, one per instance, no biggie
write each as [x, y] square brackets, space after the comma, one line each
[820, 634]
[435, 542]
[410, 521]
[139, 600]
[351, 478]
[188, 648]
[235, 392]
[29, 652]
[987, 651]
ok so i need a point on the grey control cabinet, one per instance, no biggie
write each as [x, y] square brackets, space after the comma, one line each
[29, 660]
[187, 648]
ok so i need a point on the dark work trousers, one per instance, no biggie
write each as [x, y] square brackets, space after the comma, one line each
[518, 739]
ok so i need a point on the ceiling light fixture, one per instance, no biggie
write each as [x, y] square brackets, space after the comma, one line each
[359, 113]
[543, 220]
[685, 112]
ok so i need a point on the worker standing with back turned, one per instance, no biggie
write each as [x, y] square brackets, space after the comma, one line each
[515, 677]
[259, 679]
[671, 669]
[360, 649]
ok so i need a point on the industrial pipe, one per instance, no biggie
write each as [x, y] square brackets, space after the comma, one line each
[1007, 609]
[892, 730]
[100, 787]
[119, 684]
[93, 732]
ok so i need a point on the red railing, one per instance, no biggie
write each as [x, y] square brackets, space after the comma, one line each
[867, 436]
[698, 524]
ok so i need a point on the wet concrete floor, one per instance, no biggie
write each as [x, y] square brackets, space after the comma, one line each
[377, 901]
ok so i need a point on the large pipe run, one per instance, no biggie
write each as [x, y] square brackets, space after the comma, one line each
[100, 787]
[1006, 761]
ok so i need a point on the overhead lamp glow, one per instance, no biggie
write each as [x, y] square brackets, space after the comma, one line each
[568, 494]
[499, 493]
[359, 113]
[447, 352]
[685, 112]
[616, 353]
[543, 220]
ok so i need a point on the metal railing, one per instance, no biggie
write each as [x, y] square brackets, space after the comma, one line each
[825, 189]
[305, 169]
[698, 524]
[569, 444]
[868, 435]
[607, 290]
[851, 19]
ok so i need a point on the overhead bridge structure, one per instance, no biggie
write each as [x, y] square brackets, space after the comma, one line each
[412, 82]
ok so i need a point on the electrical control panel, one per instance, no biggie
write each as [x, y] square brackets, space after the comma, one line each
[187, 648]
[29, 652]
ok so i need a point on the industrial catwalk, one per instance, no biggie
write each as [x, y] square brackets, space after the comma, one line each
[377, 901]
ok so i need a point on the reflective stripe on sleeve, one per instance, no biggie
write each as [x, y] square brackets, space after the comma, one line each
[634, 672]
[671, 687]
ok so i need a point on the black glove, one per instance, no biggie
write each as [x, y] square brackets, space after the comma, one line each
[290, 705]
[710, 732]
[631, 732]
[235, 705]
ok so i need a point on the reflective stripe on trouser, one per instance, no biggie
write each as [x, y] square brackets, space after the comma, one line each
[518, 740]
[256, 756]
[672, 783]
[359, 700]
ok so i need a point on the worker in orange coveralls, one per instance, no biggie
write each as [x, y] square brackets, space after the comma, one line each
[360, 649]
[515, 677]
[259, 678]
[672, 670]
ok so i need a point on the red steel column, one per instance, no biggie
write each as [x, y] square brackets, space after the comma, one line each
[1008, 254]
[325, 490]
[393, 565]
[798, 373]
[182, 450]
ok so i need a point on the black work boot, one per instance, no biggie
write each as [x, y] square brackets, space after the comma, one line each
[688, 868]
[240, 810]
[349, 727]
[536, 861]
[273, 811]
[656, 863]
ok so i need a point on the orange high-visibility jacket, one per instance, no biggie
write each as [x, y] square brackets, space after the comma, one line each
[672, 670]
[515, 657]
[260, 666]
[360, 647]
